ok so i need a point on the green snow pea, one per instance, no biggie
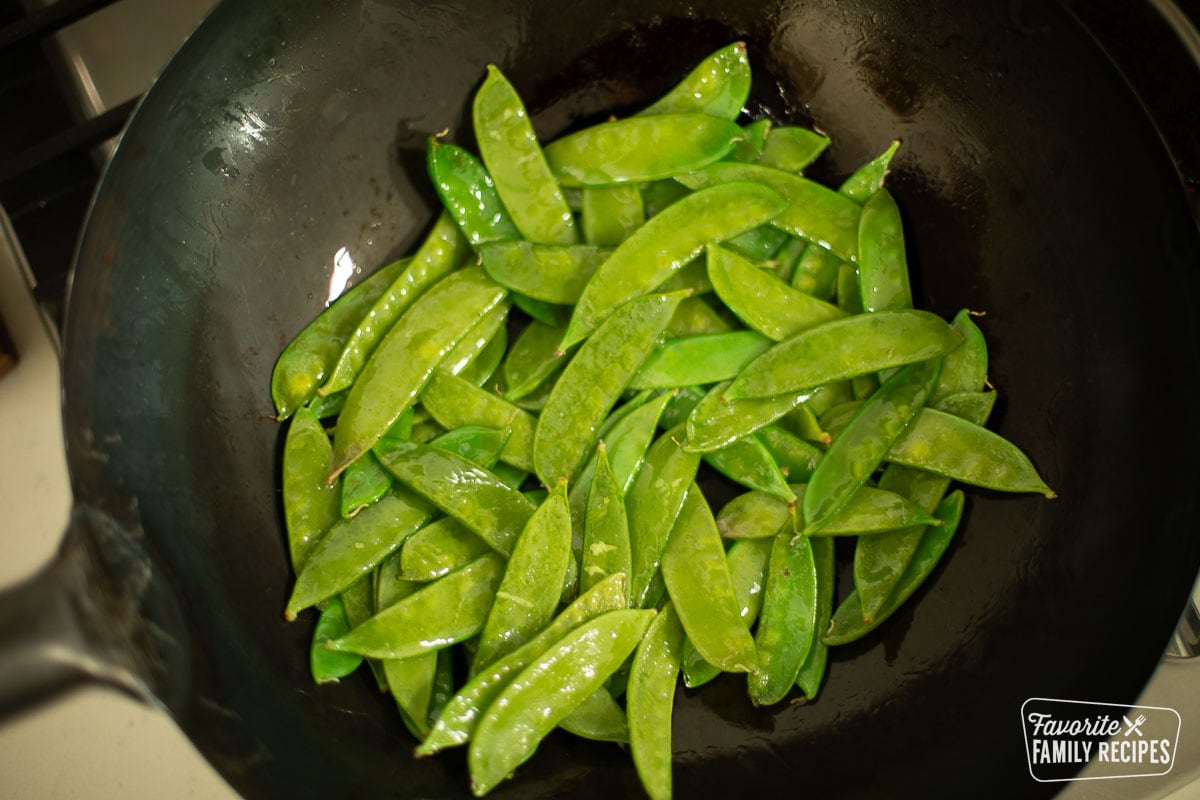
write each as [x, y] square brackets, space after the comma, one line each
[549, 313]
[787, 257]
[968, 405]
[406, 358]
[389, 586]
[462, 358]
[761, 301]
[653, 677]
[816, 273]
[849, 299]
[700, 586]
[795, 457]
[792, 148]
[359, 601]
[364, 481]
[469, 194]
[327, 666]
[827, 396]
[869, 511]
[658, 195]
[758, 244]
[837, 416]
[441, 613]
[695, 316]
[477, 443]
[748, 462]
[882, 263]
[606, 548]
[532, 583]
[510, 151]
[754, 135]
[639, 149]
[531, 359]
[665, 244]
[599, 718]
[692, 278]
[455, 402]
[551, 273]
[719, 85]
[485, 365]
[812, 671]
[328, 406]
[868, 178]
[593, 381]
[802, 422]
[307, 360]
[547, 690]
[844, 348]
[848, 623]
[610, 214]
[716, 422]
[410, 681]
[438, 549]
[697, 360]
[310, 505]
[964, 370]
[756, 515]
[787, 623]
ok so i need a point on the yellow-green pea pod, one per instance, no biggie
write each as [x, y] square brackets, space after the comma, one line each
[748, 462]
[844, 348]
[639, 149]
[455, 402]
[831, 394]
[812, 672]
[757, 244]
[328, 666]
[692, 278]
[665, 244]
[328, 406]
[787, 623]
[756, 515]
[657, 196]
[352, 547]
[599, 718]
[460, 715]
[606, 527]
[438, 549]
[968, 405]
[696, 573]
[695, 316]
[308, 359]
[791, 148]
[653, 503]
[310, 505]
[406, 358]
[754, 135]
[449, 610]
[389, 587]
[549, 313]
[849, 623]
[814, 212]
[868, 179]
[838, 416]
[610, 214]
[547, 690]
[359, 601]
[964, 370]
[547, 272]
[484, 368]
[444, 249]
[511, 152]
[787, 259]
[699, 360]
[796, 458]
[653, 677]
[849, 299]
[469, 194]
[477, 343]
[531, 359]
[592, 383]
[803, 422]
[410, 682]
[816, 273]
[870, 511]
[363, 482]
[762, 302]
[478, 444]
[532, 583]
[882, 261]
[717, 422]
[748, 566]
[719, 86]
[495, 511]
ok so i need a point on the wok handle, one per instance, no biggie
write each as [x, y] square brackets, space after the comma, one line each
[1185, 643]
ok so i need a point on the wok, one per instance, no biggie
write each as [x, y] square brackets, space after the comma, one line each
[286, 136]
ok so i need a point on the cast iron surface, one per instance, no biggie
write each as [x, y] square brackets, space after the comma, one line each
[1035, 190]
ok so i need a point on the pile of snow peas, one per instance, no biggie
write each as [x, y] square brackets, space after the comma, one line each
[506, 525]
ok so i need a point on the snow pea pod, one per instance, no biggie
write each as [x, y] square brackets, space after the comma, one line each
[844, 348]
[476, 443]
[882, 262]
[531, 359]
[968, 405]
[757, 244]
[795, 457]
[328, 406]
[754, 135]
[549, 313]
[868, 179]
[787, 623]
[406, 358]
[761, 301]
[849, 299]
[438, 549]
[547, 272]
[791, 148]
[719, 86]
[657, 196]
[599, 718]
[692, 278]
[816, 273]
[410, 682]
[812, 671]
[363, 482]
[477, 342]
[307, 360]
[593, 381]
[469, 194]
[328, 666]
[871, 510]
[802, 422]
[481, 369]
[696, 317]
[665, 244]
[611, 214]
[653, 677]
[511, 152]
[359, 601]
[716, 422]
[310, 505]
[638, 149]
[441, 613]
[755, 515]
[389, 587]
[697, 360]
[748, 462]
[964, 370]
[606, 548]
[455, 402]
[787, 257]
[547, 690]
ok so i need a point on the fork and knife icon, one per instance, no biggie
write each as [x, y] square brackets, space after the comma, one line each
[1133, 727]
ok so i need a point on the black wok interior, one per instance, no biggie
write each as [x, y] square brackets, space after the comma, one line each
[1034, 187]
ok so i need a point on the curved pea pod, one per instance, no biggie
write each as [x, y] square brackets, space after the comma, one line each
[531, 359]
[882, 262]
[599, 718]
[352, 547]
[787, 257]
[410, 682]
[548, 272]
[389, 586]
[837, 417]
[758, 244]
[831, 394]
[792, 148]
[549, 313]
[719, 86]
[761, 301]
[478, 444]
[639, 149]
[606, 527]
[444, 249]
[814, 212]
[755, 515]
[816, 273]
[748, 462]
[812, 671]
[717, 422]
[593, 381]
[611, 214]
[964, 370]
[653, 677]
[533, 580]
[359, 601]
[547, 690]
[659, 195]
[844, 348]
[857, 452]
[869, 511]
[438, 549]
[868, 179]
[787, 623]
[495, 511]
[478, 342]
[485, 366]
[455, 402]
[441, 613]
[653, 503]
[848, 623]
[700, 586]
[363, 482]
[692, 278]
[407, 357]
[698, 360]
[968, 405]
[469, 194]
[460, 715]
[748, 567]
[511, 153]
[328, 406]
[849, 299]
[795, 457]
[328, 666]
[307, 360]
[310, 505]
[665, 244]
[804, 423]
[754, 135]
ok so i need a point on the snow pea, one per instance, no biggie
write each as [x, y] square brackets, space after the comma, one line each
[531, 359]
[477, 342]
[310, 505]
[481, 369]
[757, 244]
[327, 666]
[719, 86]
[359, 601]
[455, 402]
[816, 273]
[549, 313]
[593, 381]
[968, 405]
[438, 549]
[697, 360]
[363, 482]
[547, 690]
[511, 152]
[812, 671]
[606, 548]
[844, 348]
[599, 718]
[388, 585]
[406, 358]
[439, 614]
[639, 149]
[748, 462]
[802, 422]
[653, 677]
[882, 263]
[839, 415]
[692, 278]
[756, 515]
[657, 196]
[695, 316]
[870, 510]
[410, 682]
[761, 301]
[716, 422]
[328, 406]
[849, 299]
[964, 369]
[696, 573]
[469, 194]
[547, 272]
[787, 623]
[611, 214]
[307, 360]
[868, 179]
[478, 444]
[787, 258]
[665, 244]
[754, 135]
[795, 457]
[791, 148]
